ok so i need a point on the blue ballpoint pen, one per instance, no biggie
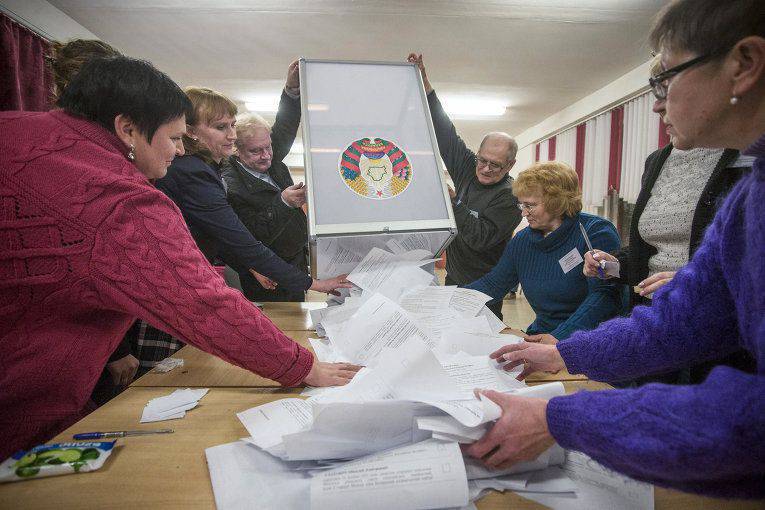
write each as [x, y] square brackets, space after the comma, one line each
[121, 433]
[589, 246]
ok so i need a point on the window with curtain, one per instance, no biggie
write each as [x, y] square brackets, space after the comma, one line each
[565, 147]
[596, 158]
[25, 80]
[641, 138]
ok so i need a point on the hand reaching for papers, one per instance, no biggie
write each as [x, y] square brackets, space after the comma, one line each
[519, 435]
[534, 357]
[329, 285]
[655, 282]
[330, 374]
[264, 281]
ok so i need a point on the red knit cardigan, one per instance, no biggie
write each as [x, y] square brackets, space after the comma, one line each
[87, 244]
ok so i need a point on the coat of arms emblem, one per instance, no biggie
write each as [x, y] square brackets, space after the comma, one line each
[375, 168]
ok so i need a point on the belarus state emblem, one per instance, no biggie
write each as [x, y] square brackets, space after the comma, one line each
[375, 168]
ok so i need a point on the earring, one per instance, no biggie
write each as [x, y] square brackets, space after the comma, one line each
[131, 154]
[734, 100]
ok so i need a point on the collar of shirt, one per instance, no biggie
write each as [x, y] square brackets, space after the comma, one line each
[263, 176]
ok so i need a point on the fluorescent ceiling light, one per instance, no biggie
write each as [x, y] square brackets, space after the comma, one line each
[474, 106]
[264, 103]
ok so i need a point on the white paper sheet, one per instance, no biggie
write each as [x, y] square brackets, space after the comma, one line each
[496, 325]
[172, 406]
[468, 302]
[429, 474]
[378, 266]
[246, 478]
[475, 344]
[413, 242]
[401, 280]
[336, 259]
[267, 423]
[596, 487]
[425, 300]
[477, 372]
[377, 324]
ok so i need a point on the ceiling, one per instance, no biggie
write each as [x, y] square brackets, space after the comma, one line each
[538, 56]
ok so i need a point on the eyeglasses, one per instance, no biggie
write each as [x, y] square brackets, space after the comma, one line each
[527, 207]
[494, 167]
[660, 82]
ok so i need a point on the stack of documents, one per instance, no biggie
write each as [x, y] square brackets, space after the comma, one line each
[391, 437]
[173, 406]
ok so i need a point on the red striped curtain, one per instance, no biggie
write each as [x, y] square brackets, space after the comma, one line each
[581, 131]
[536, 153]
[551, 143]
[615, 150]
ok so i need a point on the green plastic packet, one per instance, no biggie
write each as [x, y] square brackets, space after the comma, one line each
[55, 459]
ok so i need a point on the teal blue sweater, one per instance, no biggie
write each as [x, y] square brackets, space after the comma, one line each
[563, 302]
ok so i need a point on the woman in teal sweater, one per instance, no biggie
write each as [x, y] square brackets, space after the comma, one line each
[546, 256]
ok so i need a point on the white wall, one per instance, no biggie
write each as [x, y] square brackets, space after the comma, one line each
[626, 87]
[45, 19]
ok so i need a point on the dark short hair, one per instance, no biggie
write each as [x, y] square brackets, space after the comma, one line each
[107, 87]
[707, 27]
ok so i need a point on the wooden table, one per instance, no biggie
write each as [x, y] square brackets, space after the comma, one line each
[292, 316]
[169, 471]
[203, 370]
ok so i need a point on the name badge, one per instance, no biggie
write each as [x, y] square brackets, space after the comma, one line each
[570, 260]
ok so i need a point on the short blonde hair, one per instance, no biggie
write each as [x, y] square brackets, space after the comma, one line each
[247, 124]
[209, 106]
[557, 184]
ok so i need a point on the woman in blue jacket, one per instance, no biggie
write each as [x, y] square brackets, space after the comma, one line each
[546, 257]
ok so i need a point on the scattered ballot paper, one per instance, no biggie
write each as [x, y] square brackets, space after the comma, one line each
[168, 364]
[173, 406]
[429, 474]
[391, 437]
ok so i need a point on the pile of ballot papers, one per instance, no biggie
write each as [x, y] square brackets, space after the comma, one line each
[391, 437]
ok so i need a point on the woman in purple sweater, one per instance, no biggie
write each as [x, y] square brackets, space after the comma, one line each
[707, 438]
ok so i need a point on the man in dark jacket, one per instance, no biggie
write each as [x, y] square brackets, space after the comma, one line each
[262, 193]
[485, 209]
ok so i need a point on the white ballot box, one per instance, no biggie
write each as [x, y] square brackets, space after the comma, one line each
[374, 173]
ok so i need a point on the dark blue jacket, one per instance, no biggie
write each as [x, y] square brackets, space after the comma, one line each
[197, 190]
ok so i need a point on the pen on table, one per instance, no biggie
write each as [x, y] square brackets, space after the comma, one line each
[592, 250]
[121, 433]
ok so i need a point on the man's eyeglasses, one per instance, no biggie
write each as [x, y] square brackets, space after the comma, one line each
[494, 167]
[660, 82]
[527, 207]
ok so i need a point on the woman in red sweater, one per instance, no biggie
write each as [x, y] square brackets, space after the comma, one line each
[87, 244]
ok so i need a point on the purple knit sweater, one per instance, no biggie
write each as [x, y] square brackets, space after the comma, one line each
[708, 438]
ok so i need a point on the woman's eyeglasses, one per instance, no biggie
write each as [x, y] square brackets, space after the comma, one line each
[660, 82]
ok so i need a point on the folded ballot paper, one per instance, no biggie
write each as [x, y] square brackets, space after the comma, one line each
[173, 406]
[391, 437]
